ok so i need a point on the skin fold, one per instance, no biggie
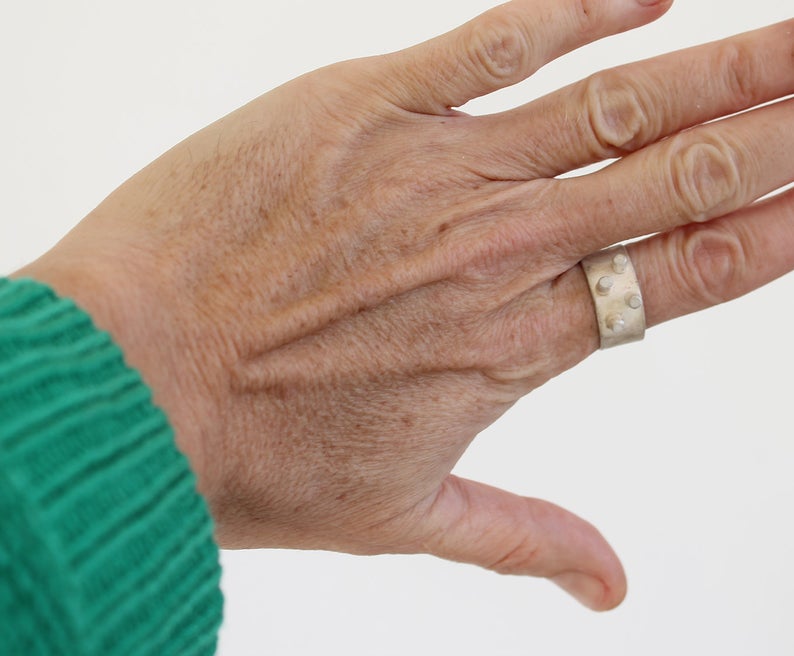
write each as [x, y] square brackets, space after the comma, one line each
[335, 288]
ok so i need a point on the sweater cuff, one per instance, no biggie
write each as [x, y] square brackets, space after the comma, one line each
[105, 545]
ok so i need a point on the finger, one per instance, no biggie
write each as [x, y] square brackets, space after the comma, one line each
[474, 523]
[624, 109]
[681, 271]
[503, 46]
[701, 265]
[706, 172]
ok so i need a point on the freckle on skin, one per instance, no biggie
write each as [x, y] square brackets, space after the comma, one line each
[443, 227]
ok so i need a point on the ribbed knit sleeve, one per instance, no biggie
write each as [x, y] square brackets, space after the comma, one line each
[105, 545]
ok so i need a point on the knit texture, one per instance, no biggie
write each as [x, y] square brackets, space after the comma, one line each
[105, 545]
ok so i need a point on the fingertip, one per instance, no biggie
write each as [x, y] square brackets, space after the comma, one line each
[591, 591]
[657, 8]
[613, 595]
[600, 587]
[587, 590]
[655, 3]
[638, 13]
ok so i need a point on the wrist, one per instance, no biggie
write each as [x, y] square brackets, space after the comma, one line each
[120, 301]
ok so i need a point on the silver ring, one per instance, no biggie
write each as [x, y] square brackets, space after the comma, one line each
[616, 295]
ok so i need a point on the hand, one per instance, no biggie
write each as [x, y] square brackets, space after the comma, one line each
[335, 288]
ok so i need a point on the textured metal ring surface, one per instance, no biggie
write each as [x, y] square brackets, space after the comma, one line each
[616, 295]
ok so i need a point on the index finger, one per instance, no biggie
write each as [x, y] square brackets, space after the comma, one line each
[502, 47]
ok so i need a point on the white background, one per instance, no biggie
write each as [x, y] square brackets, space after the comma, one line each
[691, 476]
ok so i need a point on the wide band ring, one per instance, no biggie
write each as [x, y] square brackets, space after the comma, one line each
[616, 295]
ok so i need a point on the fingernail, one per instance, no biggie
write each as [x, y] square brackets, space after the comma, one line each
[650, 3]
[586, 589]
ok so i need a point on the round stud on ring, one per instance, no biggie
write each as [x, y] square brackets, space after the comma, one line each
[634, 301]
[604, 284]
[616, 295]
[616, 323]
[620, 262]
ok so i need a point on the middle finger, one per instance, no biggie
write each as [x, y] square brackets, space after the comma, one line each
[695, 176]
[621, 110]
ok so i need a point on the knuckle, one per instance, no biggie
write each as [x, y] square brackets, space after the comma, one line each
[520, 558]
[495, 233]
[514, 372]
[498, 50]
[588, 16]
[712, 260]
[618, 121]
[740, 66]
[519, 350]
[706, 178]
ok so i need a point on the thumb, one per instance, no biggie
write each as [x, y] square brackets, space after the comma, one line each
[475, 523]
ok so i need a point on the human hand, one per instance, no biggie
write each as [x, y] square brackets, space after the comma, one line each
[335, 288]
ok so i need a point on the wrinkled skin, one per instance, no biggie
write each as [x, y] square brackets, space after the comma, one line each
[332, 290]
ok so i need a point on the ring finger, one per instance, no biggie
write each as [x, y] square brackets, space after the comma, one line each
[681, 271]
[695, 176]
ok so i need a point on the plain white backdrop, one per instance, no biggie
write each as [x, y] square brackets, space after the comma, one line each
[692, 479]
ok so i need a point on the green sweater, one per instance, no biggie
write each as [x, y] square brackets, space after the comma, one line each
[105, 545]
